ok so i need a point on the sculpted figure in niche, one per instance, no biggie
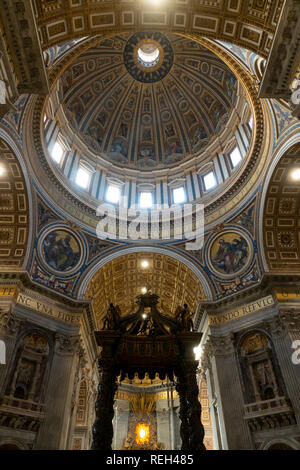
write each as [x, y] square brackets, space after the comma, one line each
[28, 375]
[260, 373]
[25, 373]
[264, 379]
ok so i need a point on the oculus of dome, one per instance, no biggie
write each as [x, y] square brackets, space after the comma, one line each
[148, 54]
[148, 57]
[148, 61]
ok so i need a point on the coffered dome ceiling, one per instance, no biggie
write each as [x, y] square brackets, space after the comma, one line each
[147, 100]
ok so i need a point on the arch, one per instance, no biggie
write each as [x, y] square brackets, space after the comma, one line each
[146, 249]
[281, 444]
[33, 350]
[12, 444]
[278, 240]
[255, 350]
[24, 220]
[120, 277]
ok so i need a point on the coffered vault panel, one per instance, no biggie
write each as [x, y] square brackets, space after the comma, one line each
[14, 216]
[250, 24]
[122, 279]
[281, 223]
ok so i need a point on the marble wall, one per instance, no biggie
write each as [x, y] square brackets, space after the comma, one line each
[41, 402]
[253, 383]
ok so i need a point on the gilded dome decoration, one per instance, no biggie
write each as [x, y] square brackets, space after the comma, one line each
[148, 100]
[148, 57]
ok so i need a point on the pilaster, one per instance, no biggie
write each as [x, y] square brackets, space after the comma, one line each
[53, 432]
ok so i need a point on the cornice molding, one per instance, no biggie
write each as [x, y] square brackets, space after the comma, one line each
[267, 286]
[23, 46]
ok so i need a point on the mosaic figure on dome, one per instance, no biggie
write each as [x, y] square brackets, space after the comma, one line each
[173, 152]
[76, 109]
[118, 146]
[198, 135]
[230, 85]
[66, 81]
[95, 132]
[217, 112]
[147, 152]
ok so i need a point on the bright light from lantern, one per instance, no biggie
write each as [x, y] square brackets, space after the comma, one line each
[2, 171]
[145, 264]
[149, 58]
[154, 3]
[144, 290]
[296, 175]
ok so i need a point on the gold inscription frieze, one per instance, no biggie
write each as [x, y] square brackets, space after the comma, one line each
[248, 309]
[39, 305]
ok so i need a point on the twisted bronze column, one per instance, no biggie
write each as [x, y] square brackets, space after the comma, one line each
[191, 429]
[183, 415]
[103, 427]
[196, 429]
